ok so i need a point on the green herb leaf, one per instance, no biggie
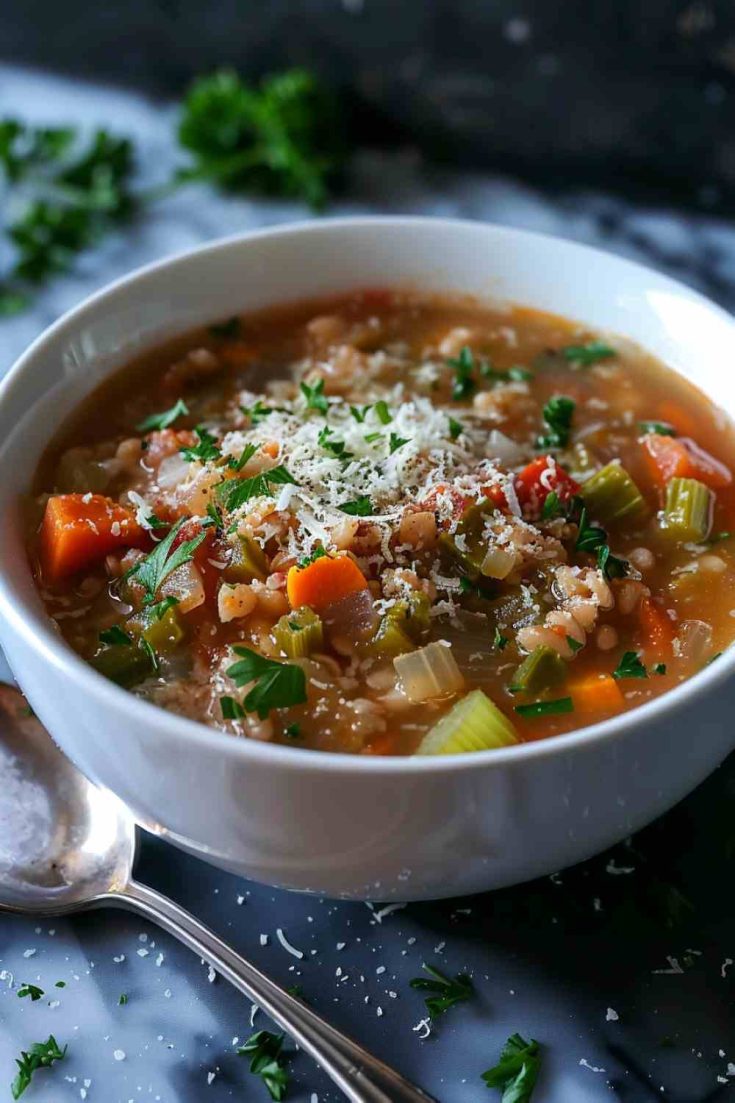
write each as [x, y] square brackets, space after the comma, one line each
[558, 414]
[359, 414]
[660, 428]
[245, 456]
[315, 397]
[163, 420]
[231, 709]
[574, 645]
[264, 1050]
[154, 523]
[589, 537]
[612, 566]
[552, 506]
[40, 1056]
[31, 990]
[205, 449]
[259, 411]
[455, 428]
[292, 731]
[158, 611]
[358, 507]
[277, 685]
[630, 666]
[659, 668]
[60, 984]
[236, 492]
[152, 571]
[464, 368]
[122, 999]
[231, 327]
[517, 1070]
[447, 991]
[114, 635]
[586, 355]
[382, 412]
[370, 438]
[546, 708]
[397, 442]
[214, 513]
[306, 560]
[500, 642]
[336, 447]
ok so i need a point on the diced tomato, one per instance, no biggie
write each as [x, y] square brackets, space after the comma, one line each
[681, 457]
[658, 630]
[496, 494]
[536, 481]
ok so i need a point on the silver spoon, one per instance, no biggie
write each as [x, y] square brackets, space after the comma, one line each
[67, 845]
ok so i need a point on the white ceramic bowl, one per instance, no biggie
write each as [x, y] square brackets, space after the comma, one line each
[400, 828]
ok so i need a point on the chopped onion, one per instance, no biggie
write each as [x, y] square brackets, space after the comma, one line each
[429, 672]
[498, 563]
[186, 585]
[695, 640]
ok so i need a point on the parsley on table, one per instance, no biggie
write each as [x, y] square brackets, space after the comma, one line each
[315, 397]
[446, 991]
[464, 369]
[517, 1070]
[152, 571]
[60, 984]
[558, 413]
[245, 456]
[546, 708]
[282, 138]
[397, 442]
[115, 635]
[40, 1056]
[630, 666]
[455, 428]
[587, 355]
[31, 990]
[277, 685]
[659, 428]
[264, 1050]
[358, 507]
[163, 420]
[230, 328]
[235, 492]
[205, 449]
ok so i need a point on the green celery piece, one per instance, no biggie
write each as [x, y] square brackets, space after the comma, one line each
[299, 633]
[164, 633]
[390, 640]
[472, 724]
[124, 664]
[611, 495]
[411, 615]
[247, 562]
[539, 671]
[687, 515]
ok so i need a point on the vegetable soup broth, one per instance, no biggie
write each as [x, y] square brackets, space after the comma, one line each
[340, 524]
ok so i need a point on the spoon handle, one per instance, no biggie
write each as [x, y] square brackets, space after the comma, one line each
[362, 1077]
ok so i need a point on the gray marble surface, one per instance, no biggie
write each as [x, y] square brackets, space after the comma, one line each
[621, 967]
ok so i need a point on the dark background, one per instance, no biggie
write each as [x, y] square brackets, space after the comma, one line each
[633, 95]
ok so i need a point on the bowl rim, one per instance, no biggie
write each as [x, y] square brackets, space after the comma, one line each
[54, 650]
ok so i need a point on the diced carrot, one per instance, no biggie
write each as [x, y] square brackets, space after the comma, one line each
[79, 530]
[324, 581]
[596, 693]
[657, 628]
[536, 481]
[382, 744]
[680, 457]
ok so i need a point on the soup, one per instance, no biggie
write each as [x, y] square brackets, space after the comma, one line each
[390, 524]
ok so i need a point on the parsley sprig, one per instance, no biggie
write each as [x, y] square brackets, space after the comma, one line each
[464, 374]
[276, 685]
[41, 1055]
[236, 492]
[264, 1050]
[206, 448]
[164, 419]
[558, 414]
[358, 507]
[153, 571]
[446, 991]
[517, 1070]
[584, 356]
[315, 397]
[630, 666]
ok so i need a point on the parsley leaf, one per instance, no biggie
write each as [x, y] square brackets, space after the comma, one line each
[382, 412]
[500, 642]
[464, 367]
[231, 709]
[163, 420]
[264, 1050]
[114, 635]
[277, 685]
[358, 507]
[359, 414]
[546, 708]
[40, 1056]
[283, 138]
[205, 449]
[590, 538]
[558, 413]
[552, 506]
[293, 731]
[318, 553]
[455, 428]
[31, 990]
[152, 571]
[122, 999]
[612, 566]
[397, 442]
[235, 492]
[446, 991]
[659, 668]
[336, 447]
[586, 355]
[659, 428]
[517, 1070]
[231, 327]
[158, 611]
[315, 397]
[214, 514]
[237, 464]
[574, 645]
[259, 411]
[630, 666]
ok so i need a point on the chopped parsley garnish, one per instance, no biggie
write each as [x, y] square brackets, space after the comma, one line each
[147, 646]
[464, 368]
[558, 413]
[517, 1070]
[152, 571]
[359, 414]
[590, 538]
[552, 506]
[338, 448]
[718, 537]
[630, 666]
[574, 645]
[245, 456]
[358, 507]
[660, 428]
[231, 327]
[154, 522]
[163, 420]
[370, 438]
[235, 492]
[500, 642]
[612, 566]
[122, 999]
[292, 731]
[545, 708]
[60, 984]
[277, 685]
[264, 1050]
[586, 355]
[259, 411]
[382, 412]
[318, 553]
[659, 668]
[315, 397]
[397, 442]
[158, 611]
[31, 990]
[214, 513]
[446, 991]
[114, 635]
[231, 709]
[205, 449]
[40, 1056]
[515, 374]
[455, 428]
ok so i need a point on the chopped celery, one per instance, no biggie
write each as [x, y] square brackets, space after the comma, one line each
[498, 563]
[687, 515]
[299, 633]
[390, 640]
[411, 614]
[123, 663]
[611, 495]
[539, 671]
[468, 546]
[162, 633]
[473, 724]
[248, 562]
[431, 671]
